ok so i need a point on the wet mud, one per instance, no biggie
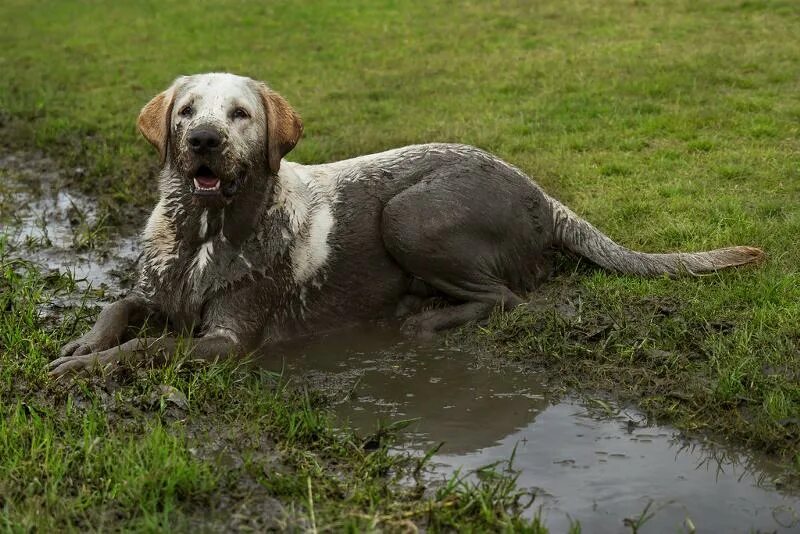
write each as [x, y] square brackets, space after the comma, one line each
[585, 460]
[57, 228]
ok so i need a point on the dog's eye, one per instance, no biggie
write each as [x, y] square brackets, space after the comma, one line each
[186, 111]
[240, 113]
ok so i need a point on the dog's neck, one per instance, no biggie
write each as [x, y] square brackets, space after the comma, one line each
[234, 222]
[191, 249]
[282, 203]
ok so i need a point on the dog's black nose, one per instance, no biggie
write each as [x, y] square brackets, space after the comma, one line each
[204, 140]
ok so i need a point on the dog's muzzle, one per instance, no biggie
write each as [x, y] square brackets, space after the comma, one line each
[209, 184]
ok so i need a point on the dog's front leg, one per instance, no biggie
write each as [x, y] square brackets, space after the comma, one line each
[202, 348]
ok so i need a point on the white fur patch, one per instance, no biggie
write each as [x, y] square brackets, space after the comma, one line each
[203, 224]
[292, 196]
[310, 252]
[308, 203]
[202, 258]
[159, 238]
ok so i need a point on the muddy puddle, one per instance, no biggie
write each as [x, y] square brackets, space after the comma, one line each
[55, 228]
[586, 460]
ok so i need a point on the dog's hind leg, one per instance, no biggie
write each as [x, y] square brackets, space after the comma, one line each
[473, 258]
[426, 324]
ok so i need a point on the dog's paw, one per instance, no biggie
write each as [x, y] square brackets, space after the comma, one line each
[86, 344]
[75, 364]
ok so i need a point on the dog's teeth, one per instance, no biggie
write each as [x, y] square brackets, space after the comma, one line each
[199, 187]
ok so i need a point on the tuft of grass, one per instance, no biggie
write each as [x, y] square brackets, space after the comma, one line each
[72, 470]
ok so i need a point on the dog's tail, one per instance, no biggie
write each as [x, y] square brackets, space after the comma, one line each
[579, 236]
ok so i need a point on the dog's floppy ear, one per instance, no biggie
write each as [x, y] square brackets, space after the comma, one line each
[154, 120]
[284, 126]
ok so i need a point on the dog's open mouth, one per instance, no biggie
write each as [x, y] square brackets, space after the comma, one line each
[211, 189]
[206, 182]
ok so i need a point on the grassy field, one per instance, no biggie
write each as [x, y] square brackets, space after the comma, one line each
[670, 125]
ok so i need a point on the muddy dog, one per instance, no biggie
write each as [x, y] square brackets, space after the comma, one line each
[245, 248]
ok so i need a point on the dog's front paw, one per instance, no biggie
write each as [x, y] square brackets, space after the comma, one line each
[87, 344]
[77, 364]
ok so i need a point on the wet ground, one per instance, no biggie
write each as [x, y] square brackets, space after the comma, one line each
[60, 229]
[585, 459]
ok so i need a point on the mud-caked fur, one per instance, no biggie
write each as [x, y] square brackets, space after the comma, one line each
[286, 250]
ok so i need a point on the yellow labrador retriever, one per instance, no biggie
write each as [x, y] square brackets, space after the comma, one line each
[245, 248]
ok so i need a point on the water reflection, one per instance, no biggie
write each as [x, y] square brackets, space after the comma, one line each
[376, 375]
[591, 465]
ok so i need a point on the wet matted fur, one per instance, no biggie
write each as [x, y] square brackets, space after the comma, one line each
[245, 248]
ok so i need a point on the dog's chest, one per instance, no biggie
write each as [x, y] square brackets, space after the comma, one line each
[278, 268]
[182, 286]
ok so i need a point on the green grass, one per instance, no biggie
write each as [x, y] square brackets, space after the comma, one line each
[670, 125]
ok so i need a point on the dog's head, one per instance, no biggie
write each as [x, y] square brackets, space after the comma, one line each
[218, 130]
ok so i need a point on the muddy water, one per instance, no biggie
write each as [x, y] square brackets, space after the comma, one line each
[586, 460]
[55, 228]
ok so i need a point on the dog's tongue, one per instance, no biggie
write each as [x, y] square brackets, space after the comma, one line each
[206, 182]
